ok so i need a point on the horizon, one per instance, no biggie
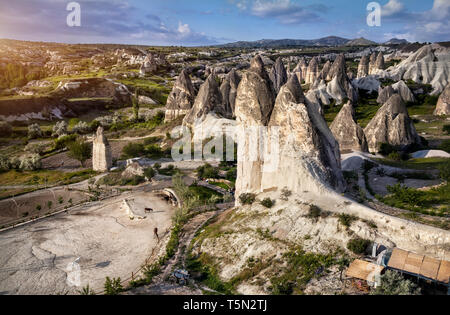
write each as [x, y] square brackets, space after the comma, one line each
[210, 23]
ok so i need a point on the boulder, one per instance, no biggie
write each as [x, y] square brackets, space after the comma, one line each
[347, 132]
[181, 98]
[443, 104]
[391, 125]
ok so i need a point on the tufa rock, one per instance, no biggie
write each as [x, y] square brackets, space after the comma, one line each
[181, 98]
[443, 104]
[278, 75]
[312, 73]
[228, 89]
[401, 88]
[363, 68]
[385, 94]
[209, 99]
[347, 132]
[309, 157]
[391, 125]
[101, 153]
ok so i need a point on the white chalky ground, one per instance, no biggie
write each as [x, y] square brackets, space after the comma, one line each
[39, 258]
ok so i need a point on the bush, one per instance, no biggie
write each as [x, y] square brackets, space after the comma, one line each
[36, 148]
[80, 151]
[314, 212]
[285, 194]
[445, 146]
[149, 173]
[268, 203]
[64, 141]
[406, 195]
[5, 164]
[207, 171]
[247, 198]
[34, 131]
[5, 129]
[386, 149]
[30, 163]
[113, 286]
[133, 150]
[59, 129]
[358, 245]
[446, 129]
[393, 283]
[231, 174]
[81, 128]
[346, 219]
[395, 156]
[444, 170]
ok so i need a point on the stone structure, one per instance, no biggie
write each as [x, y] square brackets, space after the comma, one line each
[101, 153]
[363, 67]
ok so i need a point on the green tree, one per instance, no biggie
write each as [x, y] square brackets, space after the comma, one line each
[393, 283]
[80, 151]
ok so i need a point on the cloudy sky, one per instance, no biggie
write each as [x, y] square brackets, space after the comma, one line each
[204, 22]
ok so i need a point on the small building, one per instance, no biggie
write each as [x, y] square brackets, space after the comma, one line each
[364, 270]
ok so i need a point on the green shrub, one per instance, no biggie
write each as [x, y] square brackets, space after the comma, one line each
[80, 151]
[132, 150]
[113, 286]
[149, 173]
[247, 198]
[386, 149]
[346, 219]
[393, 283]
[444, 170]
[207, 171]
[314, 212]
[446, 129]
[358, 245]
[395, 156]
[267, 202]
[38, 207]
[64, 141]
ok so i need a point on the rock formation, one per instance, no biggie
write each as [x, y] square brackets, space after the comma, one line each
[101, 153]
[372, 62]
[209, 99]
[385, 94]
[443, 104]
[379, 63]
[181, 98]
[429, 65]
[312, 73]
[254, 104]
[340, 86]
[278, 75]
[363, 68]
[309, 157]
[153, 63]
[228, 89]
[391, 125]
[325, 70]
[401, 88]
[300, 70]
[347, 132]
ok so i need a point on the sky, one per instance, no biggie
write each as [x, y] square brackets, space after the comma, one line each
[210, 22]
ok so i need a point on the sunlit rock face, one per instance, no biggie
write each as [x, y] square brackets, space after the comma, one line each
[443, 104]
[254, 104]
[363, 68]
[312, 73]
[209, 99]
[309, 157]
[392, 125]
[101, 152]
[181, 98]
[347, 132]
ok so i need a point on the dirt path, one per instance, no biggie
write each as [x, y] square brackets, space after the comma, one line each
[161, 285]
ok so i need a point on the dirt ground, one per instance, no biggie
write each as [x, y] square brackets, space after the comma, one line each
[99, 240]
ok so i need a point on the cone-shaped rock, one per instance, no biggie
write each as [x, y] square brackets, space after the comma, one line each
[254, 104]
[347, 131]
[340, 86]
[372, 62]
[325, 70]
[309, 157]
[209, 99]
[443, 104]
[300, 70]
[181, 98]
[391, 125]
[228, 89]
[385, 94]
[278, 75]
[401, 88]
[379, 63]
[313, 71]
[363, 67]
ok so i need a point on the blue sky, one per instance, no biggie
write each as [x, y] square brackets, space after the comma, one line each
[205, 22]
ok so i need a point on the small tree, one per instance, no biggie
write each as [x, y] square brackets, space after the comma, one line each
[149, 173]
[81, 128]
[392, 283]
[34, 131]
[80, 151]
[30, 162]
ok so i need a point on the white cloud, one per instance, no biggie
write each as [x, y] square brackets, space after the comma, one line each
[183, 29]
[391, 8]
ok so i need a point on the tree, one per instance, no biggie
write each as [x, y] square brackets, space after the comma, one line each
[60, 129]
[34, 131]
[80, 151]
[393, 283]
